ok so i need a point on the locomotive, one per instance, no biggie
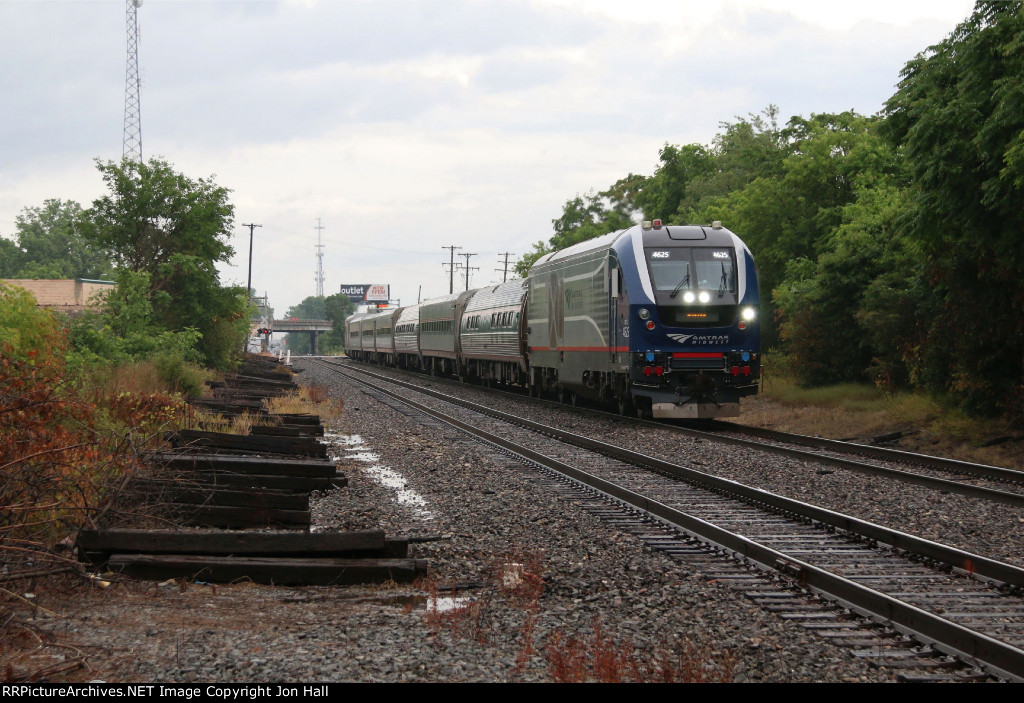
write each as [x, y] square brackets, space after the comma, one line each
[657, 320]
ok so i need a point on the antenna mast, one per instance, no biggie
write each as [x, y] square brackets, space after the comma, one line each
[319, 260]
[133, 88]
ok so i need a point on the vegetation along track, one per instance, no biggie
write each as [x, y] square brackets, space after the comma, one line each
[962, 603]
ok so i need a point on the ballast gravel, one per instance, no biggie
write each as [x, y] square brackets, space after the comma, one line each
[983, 527]
[543, 589]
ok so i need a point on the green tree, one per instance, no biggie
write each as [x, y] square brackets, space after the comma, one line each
[958, 117]
[848, 314]
[587, 216]
[668, 189]
[10, 259]
[335, 308]
[174, 229]
[744, 151]
[52, 244]
[126, 330]
[522, 267]
[794, 214]
[311, 308]
[26, 332]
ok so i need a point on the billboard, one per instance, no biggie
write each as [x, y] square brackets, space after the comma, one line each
[367, 292]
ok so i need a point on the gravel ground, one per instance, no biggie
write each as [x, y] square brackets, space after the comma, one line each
[587, 591]
[983, 527]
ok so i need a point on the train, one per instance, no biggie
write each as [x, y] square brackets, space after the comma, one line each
[660, 321]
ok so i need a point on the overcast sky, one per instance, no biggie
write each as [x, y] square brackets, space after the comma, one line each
[410, 125]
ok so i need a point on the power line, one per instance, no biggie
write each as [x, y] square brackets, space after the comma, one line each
[469, 268]
[504, 274]
[451, 268]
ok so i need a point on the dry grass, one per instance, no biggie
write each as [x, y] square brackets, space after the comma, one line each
[861, 412]
[310, 399]
[200, 419]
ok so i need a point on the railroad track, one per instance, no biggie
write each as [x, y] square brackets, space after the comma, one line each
[991, 483]
[966, 468]
[951, 601]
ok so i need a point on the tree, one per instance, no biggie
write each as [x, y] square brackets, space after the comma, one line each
[794, 212]
[53, 246]
[664, 193]
[744, 151]
[10, 259]
[958, 117]
[174, 229]
[335, 308]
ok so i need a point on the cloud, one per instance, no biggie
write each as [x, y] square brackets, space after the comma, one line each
[409, 124]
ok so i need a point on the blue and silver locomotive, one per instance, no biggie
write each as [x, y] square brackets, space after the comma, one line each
[659, 320]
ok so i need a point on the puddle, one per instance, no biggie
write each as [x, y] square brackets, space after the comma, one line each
[389, 478]
[356, 450]
[347, 440]
[357, 455]
[440, 604]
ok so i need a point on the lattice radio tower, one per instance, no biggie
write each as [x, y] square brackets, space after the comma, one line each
[319, 260]
[132, 89]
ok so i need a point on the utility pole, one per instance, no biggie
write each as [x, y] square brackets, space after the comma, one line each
[248, 288]
[451, 268]
[320, 260]
[132, 148]
[504, 275]
[467, 267]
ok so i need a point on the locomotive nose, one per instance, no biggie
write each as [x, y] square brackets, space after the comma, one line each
[702, 385]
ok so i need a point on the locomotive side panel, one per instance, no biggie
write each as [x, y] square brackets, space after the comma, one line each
[569, 320]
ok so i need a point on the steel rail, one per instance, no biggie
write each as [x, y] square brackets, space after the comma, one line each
[965, 561]
[932, 482]
[886, 453]
[977, 648]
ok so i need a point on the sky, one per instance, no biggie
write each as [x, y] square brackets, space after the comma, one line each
[402, 127]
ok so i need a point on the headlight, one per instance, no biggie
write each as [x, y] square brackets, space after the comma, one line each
[704, 297]
[644, 313]
[689, 297]
[749, 313]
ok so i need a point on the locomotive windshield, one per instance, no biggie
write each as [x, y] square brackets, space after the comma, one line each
[694, 286]
[677, 269]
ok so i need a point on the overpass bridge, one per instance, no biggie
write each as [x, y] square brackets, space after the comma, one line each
[313, 327]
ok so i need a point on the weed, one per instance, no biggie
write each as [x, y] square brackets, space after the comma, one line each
[600, 658]
[460, 619]
[243, 423]
[315, 394]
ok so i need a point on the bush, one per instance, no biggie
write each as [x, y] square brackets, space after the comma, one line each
[180, 375]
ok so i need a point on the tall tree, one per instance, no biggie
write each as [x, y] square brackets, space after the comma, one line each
[792, 213]
[174, 229]
[958, 116]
